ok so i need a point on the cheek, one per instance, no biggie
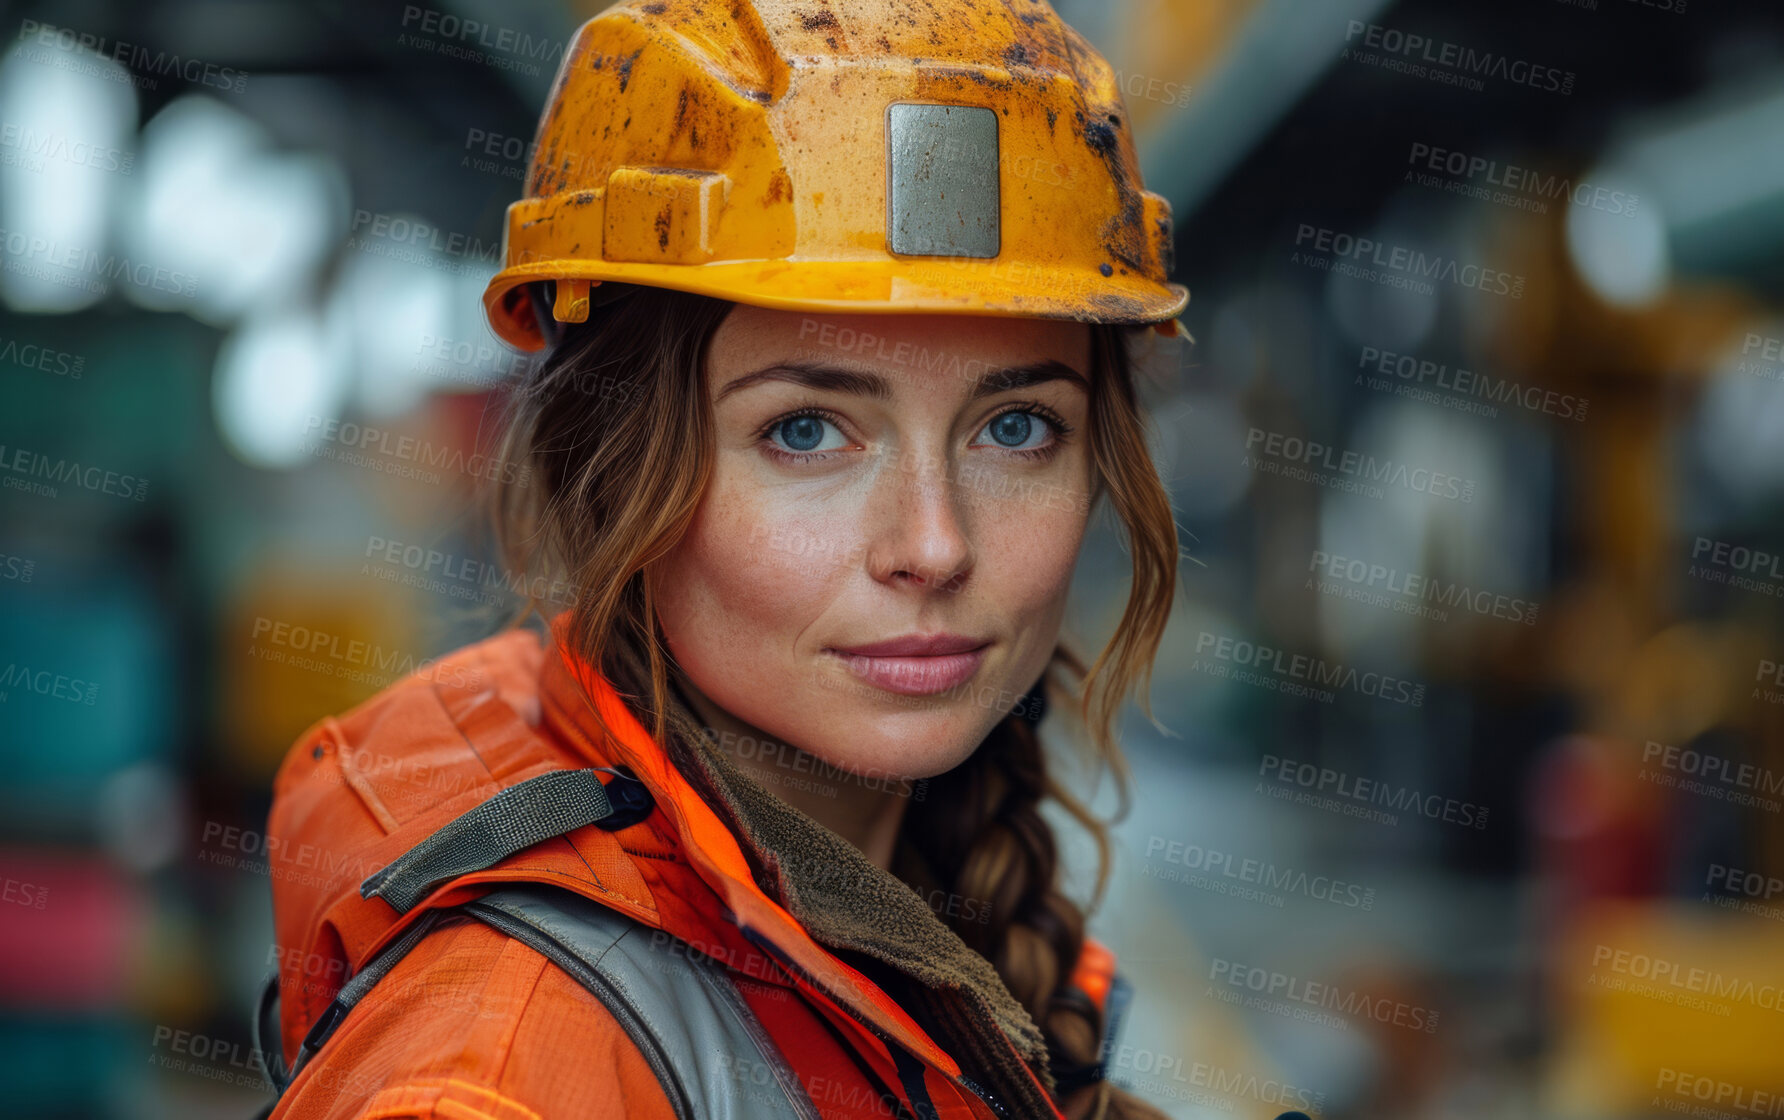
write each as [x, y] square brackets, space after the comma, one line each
[1028, 551]
[752, 574]
[1034, 549]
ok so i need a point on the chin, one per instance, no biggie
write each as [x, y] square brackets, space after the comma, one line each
[871, 732]
[909, 746]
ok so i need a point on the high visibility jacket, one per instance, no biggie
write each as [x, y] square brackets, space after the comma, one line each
[473, 1024]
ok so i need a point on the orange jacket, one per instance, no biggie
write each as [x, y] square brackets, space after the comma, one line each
[471, 1024]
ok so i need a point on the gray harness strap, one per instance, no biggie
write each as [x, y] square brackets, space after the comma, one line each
[712, 1056]
[710, 1053]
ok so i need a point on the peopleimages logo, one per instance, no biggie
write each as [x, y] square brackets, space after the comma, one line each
[1737, 566]
[402, 455]
[1304, 459]
[70, 266]
[16, 892]
[29, 148]
[1672, 978]
[23, 467]
[408, 241]
[469, 40]
[1769, 673]
[17, 568]
[1153, 89]
[209, 1057]
[1270, 984]
[1432, 58]
[1711, 775]
[1711, 1091]
[1462, 389]
[29, 355]
[1253, 872]
[826, 339]
[1406, 590]
[137, 58]
[1522, 187]
[1768, 363]
[429, 569]
[789, 757]
[467, 362]
[352, 659]
[1280, 670]
[1325, 783]
[1402, 262]
[43, 682]
[1745, 892]
[244, 849]
[1168, 1075]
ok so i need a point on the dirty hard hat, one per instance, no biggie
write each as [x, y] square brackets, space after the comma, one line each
[964, 156]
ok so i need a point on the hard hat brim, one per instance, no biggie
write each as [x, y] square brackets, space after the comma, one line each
[947, 286]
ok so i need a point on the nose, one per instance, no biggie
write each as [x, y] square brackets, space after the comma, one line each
[918, 529]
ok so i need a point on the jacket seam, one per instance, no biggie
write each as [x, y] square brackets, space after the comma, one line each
[579, 881]
[520, 1012]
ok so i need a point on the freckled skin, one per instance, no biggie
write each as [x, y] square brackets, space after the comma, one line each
[915, 517]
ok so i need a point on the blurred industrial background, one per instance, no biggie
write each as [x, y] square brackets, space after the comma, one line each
[1466, 793]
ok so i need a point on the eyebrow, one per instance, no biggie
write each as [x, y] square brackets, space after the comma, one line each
[816, 375]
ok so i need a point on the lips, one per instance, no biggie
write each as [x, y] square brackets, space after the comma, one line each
[915, 645]
[916, 665]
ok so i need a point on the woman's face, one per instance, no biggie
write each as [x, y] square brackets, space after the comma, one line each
[878, 570]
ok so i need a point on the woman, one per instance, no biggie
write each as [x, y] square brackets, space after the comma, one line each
[838, 308]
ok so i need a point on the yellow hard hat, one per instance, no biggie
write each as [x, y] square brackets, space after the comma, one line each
[965, 156]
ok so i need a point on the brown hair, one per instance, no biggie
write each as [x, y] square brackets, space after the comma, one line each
[616, 426]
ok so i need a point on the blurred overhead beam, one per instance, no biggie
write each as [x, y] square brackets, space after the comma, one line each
[1716, 164]
[1273, 59]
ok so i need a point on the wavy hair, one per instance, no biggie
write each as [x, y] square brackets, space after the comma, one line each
[616, 427]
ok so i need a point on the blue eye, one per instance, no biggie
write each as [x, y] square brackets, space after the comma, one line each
[806, 433]
[803, 433]
[1018, 431]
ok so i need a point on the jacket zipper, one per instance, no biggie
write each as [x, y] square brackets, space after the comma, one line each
[985, 1095]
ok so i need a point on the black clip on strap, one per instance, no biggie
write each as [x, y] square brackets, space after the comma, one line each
[630, 798]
